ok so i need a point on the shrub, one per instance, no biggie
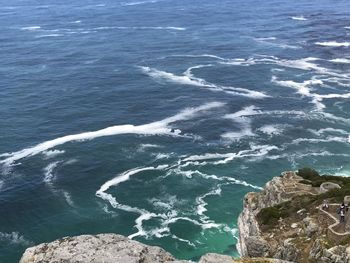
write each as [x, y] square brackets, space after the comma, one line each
[308, 173]
[270, 215]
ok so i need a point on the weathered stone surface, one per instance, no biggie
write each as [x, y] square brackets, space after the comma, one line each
[259, 260]
[106, 248]
[276, 191]
[257, 247]
[311, 226]
[287, 251]
[211, 258]
[302, 236]
[325, 187]
[112, 248]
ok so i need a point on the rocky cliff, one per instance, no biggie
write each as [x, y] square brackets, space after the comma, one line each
[112, 248]
[285, 221]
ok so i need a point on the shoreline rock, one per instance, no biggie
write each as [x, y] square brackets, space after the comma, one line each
[113, 248]
[283, 223]
[285, 220]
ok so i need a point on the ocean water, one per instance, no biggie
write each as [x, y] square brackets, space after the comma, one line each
[153, 118]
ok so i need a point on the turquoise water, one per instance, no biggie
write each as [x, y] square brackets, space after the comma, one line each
[153, 119]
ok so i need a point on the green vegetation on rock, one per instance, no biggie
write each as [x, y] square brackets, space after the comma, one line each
[269, 216]
[313, 178]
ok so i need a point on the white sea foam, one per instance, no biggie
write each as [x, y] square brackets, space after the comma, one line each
[48, 171]
[114, 203]
[183, 240]
[49, 35]
[52, 153]
[170, 216]
[304, 88]
[265, 38]
[139, 2]
[201, 204]
[31, 28]
[173, 220]
[272, 129]
[155, 128]
[272, 41]
[68, 198]
[119, 179]
[328, 130]
[141, 28]
[341, 60]
[245, 123]
[307, 64]
[167, 202]
[139, 221]
[299, 18]
[301, 155]
[333, 44]
[317, 140]
[14, 238]
[143, 147]
[197, 56]
[160, 156]
[50, 177]
[189, 174]
[188, 79]
[159, 232]
[254, 151]
[245, 112]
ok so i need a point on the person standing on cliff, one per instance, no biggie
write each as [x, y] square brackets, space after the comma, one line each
[342, 206]
[325, 205]
[342, 216]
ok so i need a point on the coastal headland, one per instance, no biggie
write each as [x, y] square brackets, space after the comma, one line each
[286, 222]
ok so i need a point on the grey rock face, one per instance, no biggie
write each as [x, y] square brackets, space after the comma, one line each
[311, 226]
[112, 248]
[211, 258]
[103, 248]
[337, 254]
[287, 251]
[294, 240]
[257, 247]
[325, 187]
[274, 193]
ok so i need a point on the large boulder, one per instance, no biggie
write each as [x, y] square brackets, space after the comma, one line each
[211, 258]
[326, 186]
[106, 248]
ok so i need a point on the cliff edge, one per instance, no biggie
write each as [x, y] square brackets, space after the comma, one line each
[112, 248]
[287, 221]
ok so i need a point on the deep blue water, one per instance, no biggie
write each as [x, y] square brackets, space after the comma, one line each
[204, 101]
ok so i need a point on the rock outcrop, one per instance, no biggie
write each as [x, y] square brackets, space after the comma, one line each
[302, 231]
[284, 223]
[112, 248]
[106, 248]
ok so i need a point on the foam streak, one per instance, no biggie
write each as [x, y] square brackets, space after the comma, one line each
[155, 128]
